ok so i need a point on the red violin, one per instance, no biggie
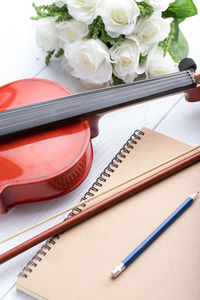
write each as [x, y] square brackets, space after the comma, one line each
[45, 145]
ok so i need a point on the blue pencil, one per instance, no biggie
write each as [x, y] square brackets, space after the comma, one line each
[164, 225]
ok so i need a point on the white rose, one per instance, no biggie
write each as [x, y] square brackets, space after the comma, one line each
[83, 10]
[160, 5]
[126, 60]
[158, 65]
[59, 3]
[72, 31]
[95, 86]
[151, 31]
[47, 33]
[119, 16]
[65, 65]
[89, 61]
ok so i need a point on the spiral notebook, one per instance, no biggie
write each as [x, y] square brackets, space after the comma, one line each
[77, 263]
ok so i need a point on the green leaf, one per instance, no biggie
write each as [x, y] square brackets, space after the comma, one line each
[181, 9]
[181, 20]
[176, 31]
[179, 48]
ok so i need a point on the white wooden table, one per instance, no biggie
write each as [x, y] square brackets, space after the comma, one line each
[20, 58]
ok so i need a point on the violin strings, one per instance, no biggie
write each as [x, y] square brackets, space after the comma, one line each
[63, 99]
[87, 102]
[179, 157]
[146, 84]
[179, 74]
[73, 113]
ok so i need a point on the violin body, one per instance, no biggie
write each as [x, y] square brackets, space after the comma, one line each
[45, 144]
[47, 164]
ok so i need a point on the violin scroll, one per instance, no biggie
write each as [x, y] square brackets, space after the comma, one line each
[187, 64]
[193, 95]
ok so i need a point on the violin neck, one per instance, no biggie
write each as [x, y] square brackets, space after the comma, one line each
[90, 103]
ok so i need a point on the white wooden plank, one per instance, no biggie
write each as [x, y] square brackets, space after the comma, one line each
[115, 129]
[16, 294]
[20, 57]
[183, 123]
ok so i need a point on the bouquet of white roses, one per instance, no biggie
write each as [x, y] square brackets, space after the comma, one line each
[101, 41]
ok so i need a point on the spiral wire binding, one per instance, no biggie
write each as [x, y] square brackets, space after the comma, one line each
[118, 159]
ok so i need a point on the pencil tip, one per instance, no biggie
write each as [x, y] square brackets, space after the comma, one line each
[117, 270]
[195, 195]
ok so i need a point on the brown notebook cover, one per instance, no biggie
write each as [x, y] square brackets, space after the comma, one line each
[79, 264]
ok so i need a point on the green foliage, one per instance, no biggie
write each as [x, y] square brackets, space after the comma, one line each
[49, 56]
[181, 9]
[146, 10]
[51, 53]
[59, 53]
[97, 31]
[43, 11]
[166, 43]
[116, 80]
[143, 59]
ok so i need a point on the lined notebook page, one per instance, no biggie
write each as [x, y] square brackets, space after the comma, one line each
[79, 264]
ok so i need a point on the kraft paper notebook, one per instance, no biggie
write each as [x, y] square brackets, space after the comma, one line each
[78, 264]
